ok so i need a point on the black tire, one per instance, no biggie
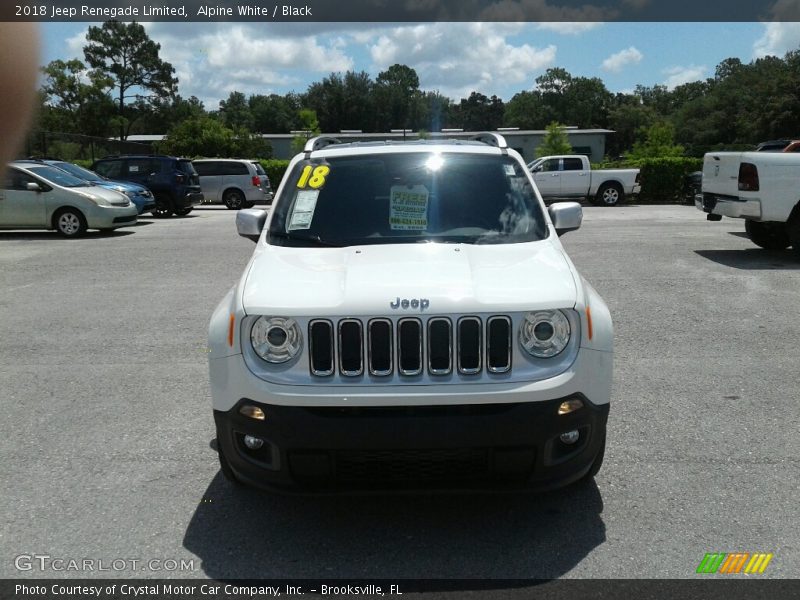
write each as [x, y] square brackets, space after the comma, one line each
[182, 212]
[69, 222]
[793, 233]
[163, 206]
[598, 462]
[610, 194]
[225, 466]
[233, 199]
[770, 236]
[248, 204]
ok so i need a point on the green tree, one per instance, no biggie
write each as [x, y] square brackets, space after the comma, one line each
[396, 92]
[235, 111]
[308, 124]
[659, 142]
[479, 113]
[74, 99]
[274, 113]
[526, 110]
[125, 54]
[555, 141]
[204, 136]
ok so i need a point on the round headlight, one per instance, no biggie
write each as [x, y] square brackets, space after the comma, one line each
[544, 333]
[276, 339]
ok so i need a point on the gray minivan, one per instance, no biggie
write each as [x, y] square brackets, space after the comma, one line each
[237, 183]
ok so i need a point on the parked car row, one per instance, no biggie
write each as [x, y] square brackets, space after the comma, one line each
[56, 194]
[36, 195]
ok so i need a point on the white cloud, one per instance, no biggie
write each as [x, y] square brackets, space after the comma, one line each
[777, 40]
[213, 59]
[616, 62]
[75, 44]
[458, 58]
[679, 75]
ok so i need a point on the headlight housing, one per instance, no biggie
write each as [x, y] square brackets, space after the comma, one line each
[544, 333]
[276, 339]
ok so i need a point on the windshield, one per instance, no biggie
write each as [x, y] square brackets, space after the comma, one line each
[79, 172]
[57, 176]
[408, 198]
[535, 163]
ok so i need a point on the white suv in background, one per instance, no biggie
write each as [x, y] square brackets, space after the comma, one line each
[236, 183]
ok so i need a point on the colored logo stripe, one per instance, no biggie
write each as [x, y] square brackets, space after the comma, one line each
[758, 563]
[711, 562]
[734, 562]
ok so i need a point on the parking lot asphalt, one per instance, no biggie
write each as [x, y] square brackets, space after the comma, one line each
[107, 424]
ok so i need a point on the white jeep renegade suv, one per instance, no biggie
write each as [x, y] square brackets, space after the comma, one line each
[409, 319]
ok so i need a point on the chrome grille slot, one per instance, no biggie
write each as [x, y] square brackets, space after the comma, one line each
[396, 349]
[320, 347]
[440, 346]
[351, 361]
[469, 345]
[409, 346]
[498, 344]
[379, 347]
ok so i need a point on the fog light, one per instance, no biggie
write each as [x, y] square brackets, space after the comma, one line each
[569, 437]
[254, 443]
[569, 406]
[253, 412]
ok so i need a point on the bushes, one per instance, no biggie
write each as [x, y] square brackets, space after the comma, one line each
[662, 179]
[275, 169]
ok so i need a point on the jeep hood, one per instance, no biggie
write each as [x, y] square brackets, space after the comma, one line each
[364, 280]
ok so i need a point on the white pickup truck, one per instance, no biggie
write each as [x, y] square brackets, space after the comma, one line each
[759, 187]
[571, 176]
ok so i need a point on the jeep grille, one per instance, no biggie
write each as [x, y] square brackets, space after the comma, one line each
[410, 345]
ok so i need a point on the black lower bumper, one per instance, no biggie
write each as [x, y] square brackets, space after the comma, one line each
[488, 446]
[190, 199]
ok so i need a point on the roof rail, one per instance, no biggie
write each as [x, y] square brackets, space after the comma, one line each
[491, 139]
[320, 142]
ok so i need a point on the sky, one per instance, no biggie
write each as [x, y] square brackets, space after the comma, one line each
[213, 59]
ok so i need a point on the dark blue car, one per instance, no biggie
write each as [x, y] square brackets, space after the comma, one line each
[138, 194]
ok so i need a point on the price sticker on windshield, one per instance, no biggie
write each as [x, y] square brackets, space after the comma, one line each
[303, 211]
[408, 207]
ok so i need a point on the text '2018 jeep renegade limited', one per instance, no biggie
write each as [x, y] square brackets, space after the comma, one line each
[409, 319]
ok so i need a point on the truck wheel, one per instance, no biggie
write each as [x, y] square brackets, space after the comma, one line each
[610, 194]
[770, 236]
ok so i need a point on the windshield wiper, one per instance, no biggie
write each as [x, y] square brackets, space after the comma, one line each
[314, 239]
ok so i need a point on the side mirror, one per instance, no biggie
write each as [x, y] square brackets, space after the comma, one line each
[32, 186]
[250, 222]
[536, 169]
[566, 216]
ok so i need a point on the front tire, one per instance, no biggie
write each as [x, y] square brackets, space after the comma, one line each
[609, 194]
[163, 206]
[770, 236]
[233, 199]
[70, 222]
[182, 212]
